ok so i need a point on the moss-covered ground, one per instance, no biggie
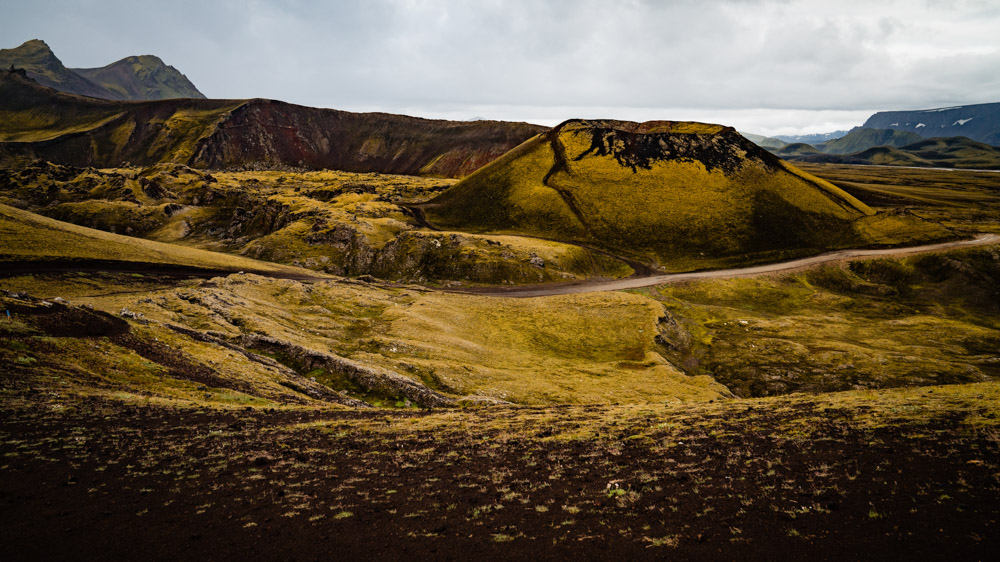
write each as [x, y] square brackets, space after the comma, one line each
[681, 199]
[909, 473]
[333, 222]
[844, 409]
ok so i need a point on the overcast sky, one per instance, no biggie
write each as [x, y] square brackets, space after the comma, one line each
[772, 67]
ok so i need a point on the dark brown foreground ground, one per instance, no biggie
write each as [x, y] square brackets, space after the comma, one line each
[98, 479]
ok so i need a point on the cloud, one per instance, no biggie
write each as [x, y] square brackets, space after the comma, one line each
[442, 56]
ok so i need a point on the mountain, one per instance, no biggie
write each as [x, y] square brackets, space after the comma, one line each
[956, 152]
[39, 122]
[144, 77]
[862, 139]
[41, 64]
[950, 152]
[133, 78]
[796, 149]
[765, 142]
[978, 122]
[813, 139]
[686, 195]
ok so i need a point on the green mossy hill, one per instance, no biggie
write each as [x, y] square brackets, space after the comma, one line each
[144, 77]
[863, 139]
[27, 237]
[769, 143]
[38, 61]
[947, 152]
[40, 123]
[336, 222]
[920, 320]
[686, 195]
[889, 156]
[796, 149]
[956, 152]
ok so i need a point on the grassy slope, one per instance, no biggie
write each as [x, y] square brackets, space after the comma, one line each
[863, 139]
[796, 149]
[30, 237]
[868, 324]
[587, 348]
[581, 348]
[964, 201]
[890, 472]
[86, 131]
[677, 211]
[337, 222]
[874, 324]
[25, 120]
[956, 152]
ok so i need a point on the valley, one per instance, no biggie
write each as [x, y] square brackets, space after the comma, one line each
[325, 404]
[226, 321]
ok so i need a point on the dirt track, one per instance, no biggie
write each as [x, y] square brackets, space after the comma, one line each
[642, 279]
[647, 281]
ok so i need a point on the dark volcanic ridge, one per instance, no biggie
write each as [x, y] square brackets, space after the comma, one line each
[41, 123]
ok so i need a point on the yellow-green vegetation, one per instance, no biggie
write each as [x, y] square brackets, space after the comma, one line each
[977, 405]
[25, 120]
[965, 201]
[927, 319]
[867, 324]
[949, 152]
[182, 132]
[426, 257]
[687, 196]
[27, 237]
[36, 126]
[337, 222]
[579, 348]
[42, 123]
[598, 348]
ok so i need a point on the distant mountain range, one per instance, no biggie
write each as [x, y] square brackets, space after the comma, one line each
[40, 122]
[764, 142]
[779, 141]
[960, 137]
[978, 122]
[143, 77]
[813, 138]
[947, 152]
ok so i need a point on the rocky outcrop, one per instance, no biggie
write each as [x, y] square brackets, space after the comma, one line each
[381, 381]
[293, 380]
[274, 133]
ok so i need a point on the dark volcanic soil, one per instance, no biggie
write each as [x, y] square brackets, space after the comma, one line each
[88, 478]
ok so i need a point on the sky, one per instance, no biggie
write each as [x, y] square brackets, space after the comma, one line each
[763, 66]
